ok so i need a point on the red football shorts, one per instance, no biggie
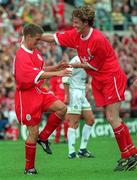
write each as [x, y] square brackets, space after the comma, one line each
[30, 104]
[110, 90]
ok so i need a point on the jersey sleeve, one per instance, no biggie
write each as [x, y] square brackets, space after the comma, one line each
[26, 74]
[66, 39]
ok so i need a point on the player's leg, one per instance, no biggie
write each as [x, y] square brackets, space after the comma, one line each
[74, 113]
[54, 120]
[86, 131]
[127, 161]
[30, 149]
[73, 125]
[66, 125]
[57, 134]
[111, 92]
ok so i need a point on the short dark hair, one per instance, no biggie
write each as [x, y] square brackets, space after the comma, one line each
[84, 13]
[32, 29]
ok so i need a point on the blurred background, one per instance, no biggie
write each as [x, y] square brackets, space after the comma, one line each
[116, 18]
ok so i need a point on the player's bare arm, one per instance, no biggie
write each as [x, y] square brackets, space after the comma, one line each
[80, 65]
[60, 66]
[48, 37]
[65, 72]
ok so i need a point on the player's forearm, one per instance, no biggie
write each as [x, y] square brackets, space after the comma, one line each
[80, 65]
[66, 88]
[48, 37]
[47, 75]
[61, 73]
[51, 68]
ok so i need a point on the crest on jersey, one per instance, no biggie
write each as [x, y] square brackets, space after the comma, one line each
[28, 117]
[39, 57]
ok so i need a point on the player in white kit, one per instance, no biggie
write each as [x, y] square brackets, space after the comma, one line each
[78, 105]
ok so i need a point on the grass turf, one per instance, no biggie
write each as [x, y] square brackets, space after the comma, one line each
[59, 167]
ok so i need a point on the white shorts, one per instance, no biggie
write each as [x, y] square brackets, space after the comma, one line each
[77, 102]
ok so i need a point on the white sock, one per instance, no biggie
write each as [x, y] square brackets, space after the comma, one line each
[85, 136]
[71, 140]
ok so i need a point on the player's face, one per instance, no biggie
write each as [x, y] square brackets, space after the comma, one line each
[79, 25]
[33, 41]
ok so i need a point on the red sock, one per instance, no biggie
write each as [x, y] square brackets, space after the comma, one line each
[66, 125]
[30, 149]
[58, 132]
[120, 136]
[52, 123]
[132, 149]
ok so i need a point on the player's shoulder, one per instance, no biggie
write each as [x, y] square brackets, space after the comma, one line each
[98, 34]
[20, 51]
[99, 37]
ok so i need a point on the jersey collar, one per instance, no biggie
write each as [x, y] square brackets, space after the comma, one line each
[88, 35]
[26, 49]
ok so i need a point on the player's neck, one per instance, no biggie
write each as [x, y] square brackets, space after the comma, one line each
[85, 32]
[27, 46]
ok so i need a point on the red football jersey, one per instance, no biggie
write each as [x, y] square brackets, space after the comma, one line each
[30, 65]
[94, 50]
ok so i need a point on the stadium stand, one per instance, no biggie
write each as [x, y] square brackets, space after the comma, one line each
[118, 20]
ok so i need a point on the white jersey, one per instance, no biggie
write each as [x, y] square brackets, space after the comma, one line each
[78, 78]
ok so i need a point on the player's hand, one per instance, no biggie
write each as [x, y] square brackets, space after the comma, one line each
[62, 65]
[66, 72]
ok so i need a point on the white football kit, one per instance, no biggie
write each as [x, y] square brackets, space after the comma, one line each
[77, 89]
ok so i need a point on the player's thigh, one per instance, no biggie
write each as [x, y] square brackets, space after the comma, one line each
[112, 111]
[51, 103]
[75, 103]
[57, 106]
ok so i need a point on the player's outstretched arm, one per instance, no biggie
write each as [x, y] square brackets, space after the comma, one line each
[48, 37]
[60, 66]
[79, 65]
[46, 75]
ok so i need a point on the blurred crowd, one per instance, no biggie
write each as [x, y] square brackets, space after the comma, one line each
[117, 19]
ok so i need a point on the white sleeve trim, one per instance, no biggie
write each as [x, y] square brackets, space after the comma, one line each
[92, 67]
[56, 39]
[37, 77]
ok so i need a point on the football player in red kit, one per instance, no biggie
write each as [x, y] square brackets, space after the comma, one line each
[31, 99]
[108, 80]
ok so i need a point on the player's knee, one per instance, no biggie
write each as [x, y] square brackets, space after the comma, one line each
[33, 135]
[62, 112]
[109, 118]
[90, 122]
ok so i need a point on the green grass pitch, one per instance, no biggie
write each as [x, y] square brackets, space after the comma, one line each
[59, 167]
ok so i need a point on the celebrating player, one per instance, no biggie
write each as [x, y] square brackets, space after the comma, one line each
[31, 100]
[108, 80]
